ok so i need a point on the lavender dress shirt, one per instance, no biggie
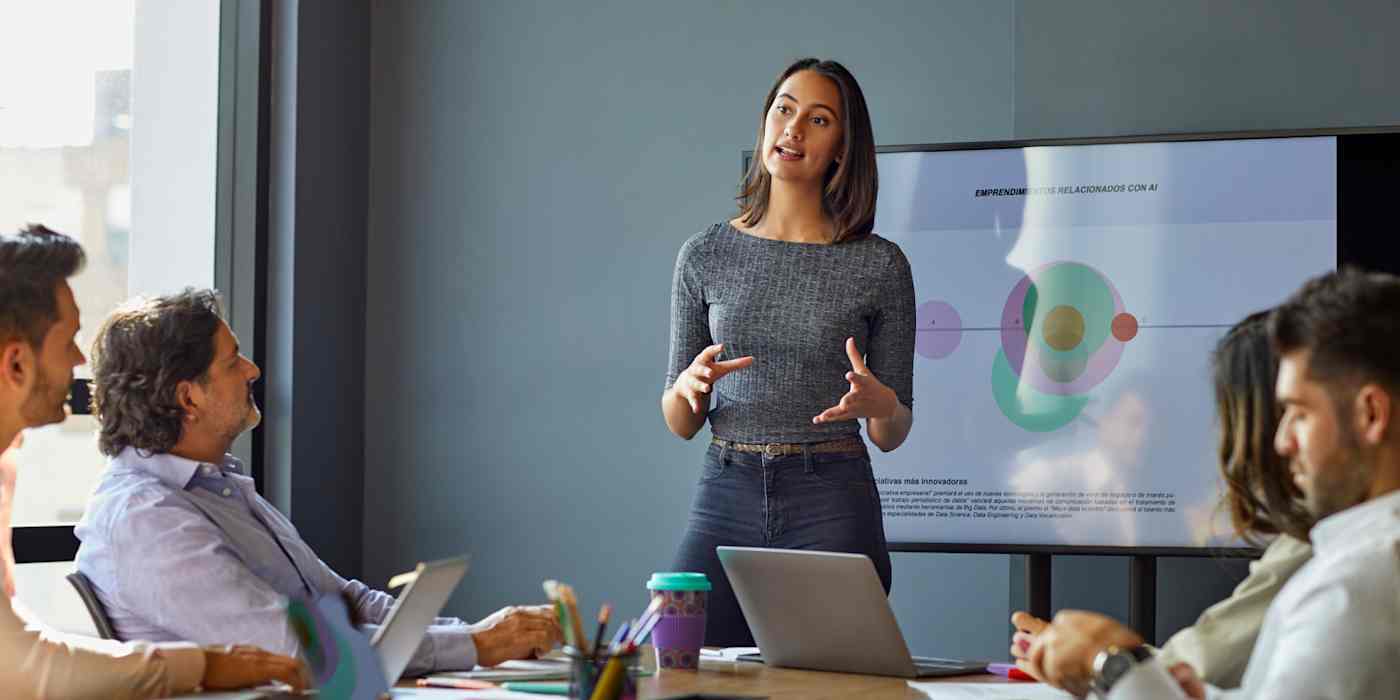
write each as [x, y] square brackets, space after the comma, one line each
[181, 550]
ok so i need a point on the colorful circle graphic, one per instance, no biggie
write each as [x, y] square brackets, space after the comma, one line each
[938, 330]
[1062, 333]
[1064, 328]
[1125, 327]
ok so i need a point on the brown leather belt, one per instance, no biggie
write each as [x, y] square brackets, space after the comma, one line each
[848, 445]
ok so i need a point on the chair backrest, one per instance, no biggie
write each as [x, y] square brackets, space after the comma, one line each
[94, 606]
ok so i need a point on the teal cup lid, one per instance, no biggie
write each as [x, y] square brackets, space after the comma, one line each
[678, 581]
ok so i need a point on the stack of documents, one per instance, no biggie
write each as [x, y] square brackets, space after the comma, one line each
[727, 653]
[989, 691]
[519, 670]
[444, 693]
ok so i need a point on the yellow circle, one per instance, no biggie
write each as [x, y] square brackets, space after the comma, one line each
[1063, 328]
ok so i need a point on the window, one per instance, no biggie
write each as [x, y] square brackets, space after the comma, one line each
[109, 116]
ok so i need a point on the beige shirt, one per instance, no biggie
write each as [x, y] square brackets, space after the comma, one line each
[1219, 644]
[38, 664]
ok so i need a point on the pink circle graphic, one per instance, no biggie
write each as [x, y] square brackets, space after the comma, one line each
[1025, 358]
[938, 330]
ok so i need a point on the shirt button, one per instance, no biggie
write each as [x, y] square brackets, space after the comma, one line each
[228, 492]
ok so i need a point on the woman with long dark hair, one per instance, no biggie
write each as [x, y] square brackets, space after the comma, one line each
[789, 323]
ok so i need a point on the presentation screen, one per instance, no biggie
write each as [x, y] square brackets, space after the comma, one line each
[1068, 301]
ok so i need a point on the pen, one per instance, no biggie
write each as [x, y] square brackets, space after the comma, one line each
[1011, 671]
[641, 637]
[653, 609]
[555, 595]
[610, 680]
[458, 683]
[620, 635]
[603, 615]
[537, 687]
[566, 593]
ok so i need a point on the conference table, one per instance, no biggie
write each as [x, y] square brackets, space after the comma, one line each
[719, 678]
[742, 678]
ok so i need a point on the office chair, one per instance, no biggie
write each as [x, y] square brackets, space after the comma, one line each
[94, 606]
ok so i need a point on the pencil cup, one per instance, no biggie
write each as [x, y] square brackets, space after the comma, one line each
[681, 631]
[604, 677]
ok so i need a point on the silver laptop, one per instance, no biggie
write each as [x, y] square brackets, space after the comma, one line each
[402, 631]
[416, 608]
[825, 611]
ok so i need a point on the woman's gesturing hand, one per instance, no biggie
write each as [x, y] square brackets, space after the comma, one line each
[868, 398]
[1063, 652]
[695, 382]
[1028, 629]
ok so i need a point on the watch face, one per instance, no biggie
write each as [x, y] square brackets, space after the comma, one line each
[1115, 666]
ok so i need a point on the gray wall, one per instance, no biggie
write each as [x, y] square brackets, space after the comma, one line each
[1106, 68]
[534, 167]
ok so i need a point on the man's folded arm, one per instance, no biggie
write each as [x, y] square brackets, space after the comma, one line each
[1220, 642]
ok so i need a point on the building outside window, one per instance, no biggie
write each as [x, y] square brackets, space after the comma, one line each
[108, 133]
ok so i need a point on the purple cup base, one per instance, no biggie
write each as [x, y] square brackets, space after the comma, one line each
[682, 659]
[678, 639]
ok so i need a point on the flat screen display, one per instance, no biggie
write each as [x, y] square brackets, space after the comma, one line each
[1068, 299]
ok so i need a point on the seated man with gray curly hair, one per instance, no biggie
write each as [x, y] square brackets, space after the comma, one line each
[177, 540]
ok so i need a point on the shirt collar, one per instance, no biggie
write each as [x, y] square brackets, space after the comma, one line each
[170, 469]
[1357, 521]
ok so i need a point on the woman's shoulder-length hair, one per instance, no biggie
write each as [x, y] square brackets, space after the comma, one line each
[851, 185]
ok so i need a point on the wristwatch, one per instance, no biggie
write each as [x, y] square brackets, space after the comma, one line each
[1113, 663]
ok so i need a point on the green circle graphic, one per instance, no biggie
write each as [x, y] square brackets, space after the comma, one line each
[1081, 288]
[1028, 408]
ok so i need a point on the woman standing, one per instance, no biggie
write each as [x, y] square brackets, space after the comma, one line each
[816, 313]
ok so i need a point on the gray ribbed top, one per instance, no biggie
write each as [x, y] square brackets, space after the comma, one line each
[791, 306]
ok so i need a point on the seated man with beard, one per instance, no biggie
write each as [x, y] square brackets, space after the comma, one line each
[177, 540]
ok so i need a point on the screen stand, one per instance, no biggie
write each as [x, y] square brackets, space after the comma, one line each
[1142, 596]
[1142, 591]
[1037, 569]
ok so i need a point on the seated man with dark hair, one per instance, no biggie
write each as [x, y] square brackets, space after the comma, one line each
[1333, 631]
[178, 542]
[38, 322]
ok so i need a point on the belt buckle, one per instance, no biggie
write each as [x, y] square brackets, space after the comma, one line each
[773, 449]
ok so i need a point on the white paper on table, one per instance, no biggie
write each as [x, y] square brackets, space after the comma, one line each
[486, 694]
[727, 653]
[516, 670]
[979, 691]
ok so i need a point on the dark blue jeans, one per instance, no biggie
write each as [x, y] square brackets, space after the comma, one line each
[813, 501]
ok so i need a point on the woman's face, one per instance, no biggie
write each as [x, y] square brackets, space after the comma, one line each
[802, 130]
